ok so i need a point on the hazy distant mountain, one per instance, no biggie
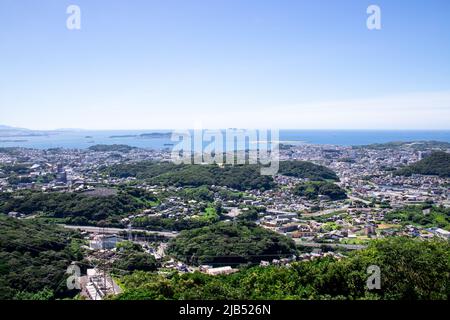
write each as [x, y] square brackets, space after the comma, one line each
[3, 127]
[8, 131]
[69, 130]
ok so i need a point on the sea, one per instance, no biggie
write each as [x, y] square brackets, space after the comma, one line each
[83, 139]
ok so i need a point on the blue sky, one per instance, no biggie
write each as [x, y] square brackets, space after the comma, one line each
[144, 64]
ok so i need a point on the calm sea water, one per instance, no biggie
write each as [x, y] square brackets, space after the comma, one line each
[85, 139]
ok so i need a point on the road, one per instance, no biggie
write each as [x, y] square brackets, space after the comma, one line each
[359, 199]
[332, 245]
[325, 212]
[117, 230]
[273, 211]
[314, 214]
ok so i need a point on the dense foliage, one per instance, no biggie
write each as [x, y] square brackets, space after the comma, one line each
[141, 170]
[230, 243]
[438, 163]
[242, 177]
[15, 169]
[77, 208]
[250, 213]
[34, 258]
[436, 217]
[198, 194]
[132, 257]
[312, 190]
[15, 179]
[410, 269]
[307, 170]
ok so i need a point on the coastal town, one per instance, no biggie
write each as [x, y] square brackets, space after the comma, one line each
[321, 226]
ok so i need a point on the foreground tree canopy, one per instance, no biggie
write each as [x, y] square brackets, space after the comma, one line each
[410, 269]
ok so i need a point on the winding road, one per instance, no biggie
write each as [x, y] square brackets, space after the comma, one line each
[91, 229]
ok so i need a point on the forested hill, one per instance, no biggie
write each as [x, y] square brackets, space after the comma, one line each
[34, 258]
[438, 163]
[230, 243]
[241, 177]
[77, 208]
[307, 170]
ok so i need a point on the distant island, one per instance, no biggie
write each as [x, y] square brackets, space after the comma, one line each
[152, 135]
[124, 136]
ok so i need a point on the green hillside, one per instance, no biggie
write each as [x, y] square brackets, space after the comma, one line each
[438, 164]
[34, 258]
[227, 243]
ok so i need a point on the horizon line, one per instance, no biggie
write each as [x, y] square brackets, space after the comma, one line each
[249, 128]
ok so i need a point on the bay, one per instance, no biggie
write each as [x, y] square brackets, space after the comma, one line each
[84, 139]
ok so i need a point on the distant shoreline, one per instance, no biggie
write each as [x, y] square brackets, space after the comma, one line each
[160, 140]
[13, 141]
[152, 135]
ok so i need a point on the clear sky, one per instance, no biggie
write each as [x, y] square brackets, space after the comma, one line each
[142, 64]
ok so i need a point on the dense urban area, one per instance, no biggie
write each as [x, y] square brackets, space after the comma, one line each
[119, 222]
